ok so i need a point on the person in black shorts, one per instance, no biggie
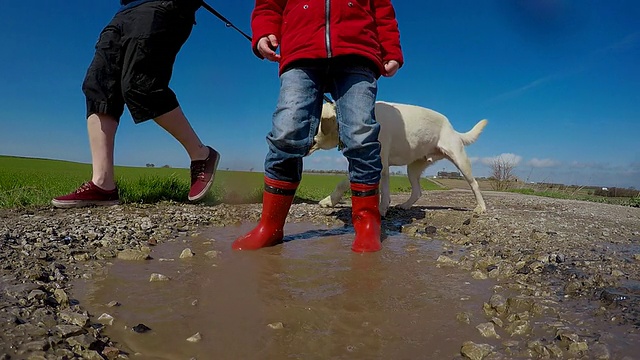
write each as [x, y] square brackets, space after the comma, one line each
[132, 66]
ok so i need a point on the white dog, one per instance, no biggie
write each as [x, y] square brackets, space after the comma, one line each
[409, 135]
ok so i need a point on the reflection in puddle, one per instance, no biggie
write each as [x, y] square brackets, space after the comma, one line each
[331, 302]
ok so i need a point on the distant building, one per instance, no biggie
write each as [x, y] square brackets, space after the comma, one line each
[449, 175]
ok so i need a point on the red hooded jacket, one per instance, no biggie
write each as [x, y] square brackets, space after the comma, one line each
[320, 29]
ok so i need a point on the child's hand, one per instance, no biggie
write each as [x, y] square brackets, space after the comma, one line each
[390, 68]
[267, 46]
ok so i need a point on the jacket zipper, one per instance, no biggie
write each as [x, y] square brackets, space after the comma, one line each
[327, 37]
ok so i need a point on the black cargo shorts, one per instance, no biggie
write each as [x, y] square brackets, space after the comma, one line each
[134, 59]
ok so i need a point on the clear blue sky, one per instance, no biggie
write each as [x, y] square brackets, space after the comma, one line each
[558, 80]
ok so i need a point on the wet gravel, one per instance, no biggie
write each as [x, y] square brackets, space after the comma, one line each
[542, 257]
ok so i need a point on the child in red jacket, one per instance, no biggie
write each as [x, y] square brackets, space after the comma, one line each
[333, 46]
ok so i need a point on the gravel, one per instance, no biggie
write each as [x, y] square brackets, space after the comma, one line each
[545, 255]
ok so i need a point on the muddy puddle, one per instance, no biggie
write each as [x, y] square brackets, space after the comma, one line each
[309, 298]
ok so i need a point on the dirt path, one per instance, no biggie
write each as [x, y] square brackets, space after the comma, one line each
[574, 264]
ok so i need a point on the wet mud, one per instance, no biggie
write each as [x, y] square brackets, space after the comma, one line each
[308, 298]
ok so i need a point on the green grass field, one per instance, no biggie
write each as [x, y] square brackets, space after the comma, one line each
[26, 182]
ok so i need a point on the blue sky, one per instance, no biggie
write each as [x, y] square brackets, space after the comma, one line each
[558, 80]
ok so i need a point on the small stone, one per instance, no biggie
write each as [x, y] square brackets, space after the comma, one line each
[555, 350]
[37, 294]
[141, 328]
[577, 347]
[158, 277]
[276, 325]
[105, 319]
[409, 230]
[464, 317]
[519, 327]
[133, 255]
[475, 351]
[38, 345]
[567, 336]
[444, 260]
[488, 330]
[110, 353]
[497, 321]
[498, 303]
[66, 331]
[195, 338]
[61, 297]
[186, 253]
[617, 273]
[81, 257]
[82, 341]
[113, 304]
[478, 275]
[91, 355]
[212, 254]
[74, 318]
[511, 343]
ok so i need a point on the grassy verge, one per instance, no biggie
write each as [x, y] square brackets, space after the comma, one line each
[626, 201]
[28, 182]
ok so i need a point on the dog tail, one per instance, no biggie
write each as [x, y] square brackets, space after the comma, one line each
[472, 135]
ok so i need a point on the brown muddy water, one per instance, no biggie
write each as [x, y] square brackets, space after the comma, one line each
[309, 298]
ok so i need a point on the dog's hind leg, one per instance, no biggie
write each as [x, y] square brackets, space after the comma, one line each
[385, 195]
[414, 170]
[335, 197]
[460, 159]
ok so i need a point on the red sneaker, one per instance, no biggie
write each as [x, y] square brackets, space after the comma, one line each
[202, 174]
[86, 195]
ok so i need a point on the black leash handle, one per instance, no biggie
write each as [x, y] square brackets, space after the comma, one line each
[230, 24]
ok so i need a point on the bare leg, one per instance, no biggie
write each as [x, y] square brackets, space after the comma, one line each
[102, 132]
[176, 124]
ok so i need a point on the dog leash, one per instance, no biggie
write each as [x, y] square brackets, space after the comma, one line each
[228, 23]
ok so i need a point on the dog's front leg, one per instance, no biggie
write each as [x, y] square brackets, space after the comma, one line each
[385, 196]
[481, 208]
[335, 197]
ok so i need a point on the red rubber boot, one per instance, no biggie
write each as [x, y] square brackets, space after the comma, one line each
[365, 215]
[276, 201]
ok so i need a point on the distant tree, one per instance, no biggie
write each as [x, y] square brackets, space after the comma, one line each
[151, 165]
[166, 166]
[502, 175]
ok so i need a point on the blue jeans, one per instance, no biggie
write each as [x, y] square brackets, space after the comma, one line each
[297, 117]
